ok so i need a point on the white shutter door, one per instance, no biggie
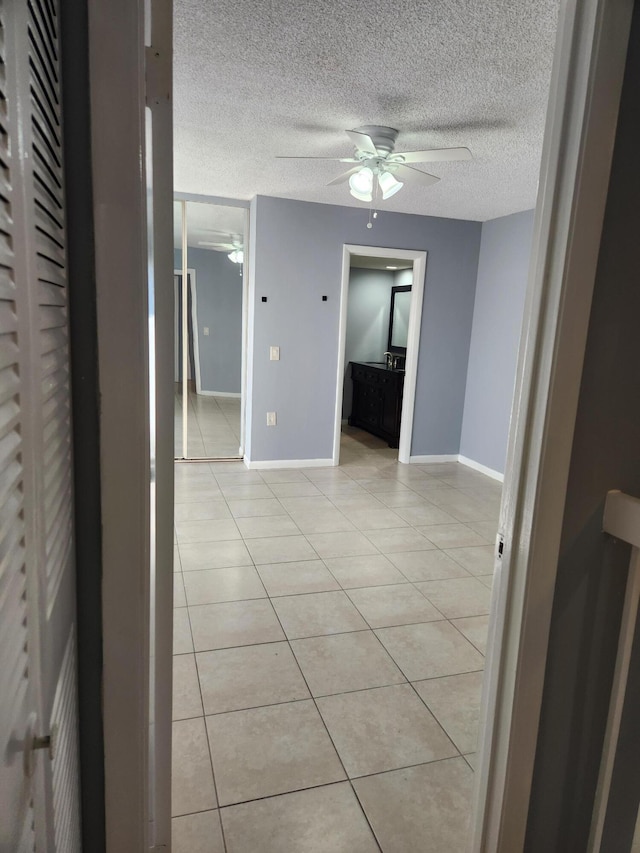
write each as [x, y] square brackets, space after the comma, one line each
[37, 559]
[16, 817]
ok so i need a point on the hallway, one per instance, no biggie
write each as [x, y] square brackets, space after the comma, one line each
[330, 629]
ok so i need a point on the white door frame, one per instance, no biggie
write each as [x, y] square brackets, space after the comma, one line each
[413, 339]
[579, 139]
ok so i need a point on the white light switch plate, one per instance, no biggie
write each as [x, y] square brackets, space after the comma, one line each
[205, 330]
[271, 418]
[274, 353]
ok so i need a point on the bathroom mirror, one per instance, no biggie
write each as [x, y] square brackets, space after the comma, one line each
[399, 319]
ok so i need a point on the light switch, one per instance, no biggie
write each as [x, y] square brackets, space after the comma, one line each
[274, 353]
[271, 418]
[205, 331]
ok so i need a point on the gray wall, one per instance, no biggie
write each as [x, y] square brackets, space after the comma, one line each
[298, 259]
[219, 301]
[497, 319]
[367, 322]
[592, 568]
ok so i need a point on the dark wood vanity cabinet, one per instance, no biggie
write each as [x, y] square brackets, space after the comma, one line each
[377, 400]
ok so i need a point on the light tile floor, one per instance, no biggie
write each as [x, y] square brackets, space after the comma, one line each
[213, 426]
[330, 630]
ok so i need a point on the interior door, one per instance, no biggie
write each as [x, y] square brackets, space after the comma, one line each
[39, 774]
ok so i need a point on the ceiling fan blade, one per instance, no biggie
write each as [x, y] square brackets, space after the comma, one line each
[344, 176]
[220, 247]
[435, 155]
[328, 159]
[362, 141]
[412, 175]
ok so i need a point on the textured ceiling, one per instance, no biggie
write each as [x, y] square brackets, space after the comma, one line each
[208, 223]
[366, 262]
[260, 78]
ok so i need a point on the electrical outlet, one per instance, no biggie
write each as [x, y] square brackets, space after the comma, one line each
[271, 418]
[205, 330]
[274, 353]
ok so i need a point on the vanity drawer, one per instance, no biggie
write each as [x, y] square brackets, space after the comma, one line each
[377, 400]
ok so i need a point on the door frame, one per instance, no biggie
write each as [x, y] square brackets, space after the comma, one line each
[580, 131]
[419, 259]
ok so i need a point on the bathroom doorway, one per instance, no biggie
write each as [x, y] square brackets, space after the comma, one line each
[380, 319]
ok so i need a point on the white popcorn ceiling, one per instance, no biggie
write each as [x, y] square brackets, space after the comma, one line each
[260, 78]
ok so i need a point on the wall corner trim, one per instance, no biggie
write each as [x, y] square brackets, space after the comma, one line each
[266, 464]
[483, 469]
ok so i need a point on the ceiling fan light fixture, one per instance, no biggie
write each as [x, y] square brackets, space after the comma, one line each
[361, 184]
[388, 184]
[237, 256]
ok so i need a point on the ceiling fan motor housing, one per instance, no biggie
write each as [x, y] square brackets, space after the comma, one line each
[384, 138]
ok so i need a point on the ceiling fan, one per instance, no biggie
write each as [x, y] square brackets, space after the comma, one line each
[234, 246]
[375, 158]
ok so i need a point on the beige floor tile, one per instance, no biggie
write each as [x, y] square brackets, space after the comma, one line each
[395, 541]
[457, 597]
[199, 510]
[375, 519]
[247, 508]
[306, 504]
[383, 729]
[273, 750]
[349, 544]
[400, 604]
[427, 565]
[451, 535]
[429, 650]
[239, 478]
[316, 614]
[425, 514]
[383, 486]
[280, 549]
[196, 491]
[487, 580]
[250, 676]
[191, 779]
[186, 689]
[252, 491]
[319, 820]
[425, 808]
[297, 577]
[211, 586]
[472, 760]
[478, 560]
[402, 499]
[207, 530]
[182, 642]
[475, 629]
[342, 662]
[179, 599]
[368, 570]
[234, 623]
[283, 476]
[341, 488]
[213, 555]
[455, 703]
[177, 565]
[321, 521]
[197, 833]
[487, 529]
[262, 526]
[303, 489]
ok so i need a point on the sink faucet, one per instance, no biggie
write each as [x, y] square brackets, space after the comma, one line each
[389, 359]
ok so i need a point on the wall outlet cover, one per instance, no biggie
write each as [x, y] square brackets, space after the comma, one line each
[271, 418]
[274, 353]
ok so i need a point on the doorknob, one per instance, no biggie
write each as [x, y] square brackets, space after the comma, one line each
[33, 743]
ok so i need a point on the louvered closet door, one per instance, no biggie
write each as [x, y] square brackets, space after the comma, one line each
[38, 683]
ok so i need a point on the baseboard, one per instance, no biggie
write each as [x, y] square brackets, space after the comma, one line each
[450, 457]
[483, 469]
[202, 393]
[266, 464]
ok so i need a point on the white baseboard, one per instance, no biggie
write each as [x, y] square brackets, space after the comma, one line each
[483, 469]
[266, 464]
[451, 457]
[218, 394]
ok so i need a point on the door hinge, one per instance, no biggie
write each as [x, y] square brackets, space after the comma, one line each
[157, 76]
[499, 545]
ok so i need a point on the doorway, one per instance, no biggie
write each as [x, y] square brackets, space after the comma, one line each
[209, 355]
[381, 300]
